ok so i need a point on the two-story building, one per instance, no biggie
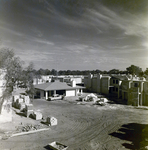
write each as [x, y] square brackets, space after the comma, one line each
[99, 83]
[132, 90]
[115, 85]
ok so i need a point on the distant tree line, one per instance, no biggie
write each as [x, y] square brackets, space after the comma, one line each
[134, 70]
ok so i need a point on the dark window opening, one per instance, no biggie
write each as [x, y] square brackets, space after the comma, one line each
[116, 89]
[116, 81]
[135, 84]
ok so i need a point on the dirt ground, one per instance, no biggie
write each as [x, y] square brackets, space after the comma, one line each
[81, 126]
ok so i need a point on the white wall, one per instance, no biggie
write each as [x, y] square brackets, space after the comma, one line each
[105, 85]
[70, 92]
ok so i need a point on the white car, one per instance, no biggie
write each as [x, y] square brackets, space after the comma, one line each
[55, 97]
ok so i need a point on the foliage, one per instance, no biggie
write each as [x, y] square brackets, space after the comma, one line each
[77, 72]
[134, 70]
[15, 76]
[29, 80]
[146, 72]
[13, 67]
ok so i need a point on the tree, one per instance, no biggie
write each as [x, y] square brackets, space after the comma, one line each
[114, 71]
[146, 72]
[28, 80]
[134, 70]
[13, 67]
[54, 72]
[15, 75]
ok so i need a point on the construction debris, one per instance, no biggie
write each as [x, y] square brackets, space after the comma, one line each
[96, 99]
[57, 146]
[28, 127]
[89, 98]
[101, 101]
[20, 98]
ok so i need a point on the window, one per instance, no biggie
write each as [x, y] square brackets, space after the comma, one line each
[136, 84]
[116, 81]
[116, 89]
[113, 81]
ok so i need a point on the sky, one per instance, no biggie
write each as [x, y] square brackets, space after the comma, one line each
[76, 34]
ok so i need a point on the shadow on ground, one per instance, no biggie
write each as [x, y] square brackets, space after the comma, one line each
[137, 134]
[47, 147]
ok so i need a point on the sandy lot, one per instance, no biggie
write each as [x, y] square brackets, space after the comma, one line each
[81, 127]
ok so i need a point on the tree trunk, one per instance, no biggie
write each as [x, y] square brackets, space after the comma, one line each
[1, 103]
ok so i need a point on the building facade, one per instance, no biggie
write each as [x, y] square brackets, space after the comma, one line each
[97, 83]
[130, 89]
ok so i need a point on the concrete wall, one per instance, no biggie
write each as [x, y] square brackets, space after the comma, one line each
[94, 84]
[99, 77]
[98, 83]
[133, 98]
[125, 89]
[145, 94]
[105, 85]
[86, 82]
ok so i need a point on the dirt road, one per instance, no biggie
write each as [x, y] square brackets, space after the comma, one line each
[82, 127]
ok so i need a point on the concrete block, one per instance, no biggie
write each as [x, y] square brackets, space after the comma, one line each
[13, 104]
[37, 115]
[29, 106]
[15, 97]
[52, 121]
[28, 110]
[27, 100]
[22, 106]
[20, 100]
[16, 105]
[28, 113]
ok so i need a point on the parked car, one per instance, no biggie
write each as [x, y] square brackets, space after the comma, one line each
[55, 97]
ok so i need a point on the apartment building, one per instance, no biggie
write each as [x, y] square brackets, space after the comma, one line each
[130, 89]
